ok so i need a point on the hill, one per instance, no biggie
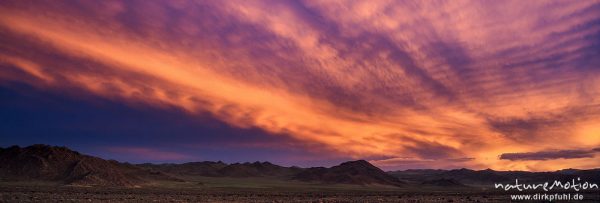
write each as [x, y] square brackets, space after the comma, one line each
[220, 169]
[204, 168]
[65, 166]
[60, 164]
[264, 169]
[353, 172]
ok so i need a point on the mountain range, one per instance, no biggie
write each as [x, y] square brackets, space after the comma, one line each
[46, 163]
[65, 166]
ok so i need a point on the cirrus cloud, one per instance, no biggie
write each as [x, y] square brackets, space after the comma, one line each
[548, 155]
[430, 80]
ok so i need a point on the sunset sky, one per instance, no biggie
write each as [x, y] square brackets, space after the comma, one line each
[506, 85]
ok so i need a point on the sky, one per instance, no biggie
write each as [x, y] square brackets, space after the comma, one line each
[506, 85]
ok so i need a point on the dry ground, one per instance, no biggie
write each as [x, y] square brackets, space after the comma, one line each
[44, 192]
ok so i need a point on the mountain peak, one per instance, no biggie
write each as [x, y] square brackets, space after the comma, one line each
[352, 172]
[360, 162]
[51, 163]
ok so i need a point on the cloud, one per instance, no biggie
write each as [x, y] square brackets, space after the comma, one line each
[430, 80]
[548, 155]
[403, 163]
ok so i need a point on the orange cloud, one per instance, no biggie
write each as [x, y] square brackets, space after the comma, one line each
[467, 80]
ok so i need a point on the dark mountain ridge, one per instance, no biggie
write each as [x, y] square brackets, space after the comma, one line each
[220, 169]
[204, 168]
[352, 172]
[60, 164]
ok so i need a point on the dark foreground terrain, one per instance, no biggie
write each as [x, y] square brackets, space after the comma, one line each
[340, 193]
[95, 194]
